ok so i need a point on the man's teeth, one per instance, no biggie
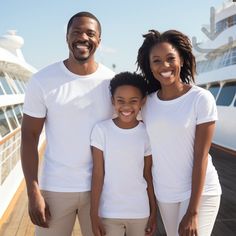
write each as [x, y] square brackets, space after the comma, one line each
[166, 74]
[81, 47]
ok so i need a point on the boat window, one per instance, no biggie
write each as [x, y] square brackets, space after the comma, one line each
[23, 84]
[5, 84]
[11, 117]
[1, 90]
[17, 109]
[214, 89]
[202, 86]
[19, 86]
[227, 94]
[225, 23]
[4, 127]
[227, 58]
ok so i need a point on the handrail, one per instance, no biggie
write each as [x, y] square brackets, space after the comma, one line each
[8, 136]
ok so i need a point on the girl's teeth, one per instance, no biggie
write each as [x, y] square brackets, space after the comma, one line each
[126, 113]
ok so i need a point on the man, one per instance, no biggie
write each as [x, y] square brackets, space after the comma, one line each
[69, 97]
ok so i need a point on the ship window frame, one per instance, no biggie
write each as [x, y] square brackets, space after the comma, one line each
[226, 97]
[2, 92]
[4, 123]
[5, 84]
[215, 85]
[12, 119]
[18, 114]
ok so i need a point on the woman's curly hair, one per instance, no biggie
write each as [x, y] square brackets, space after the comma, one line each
[180, 42]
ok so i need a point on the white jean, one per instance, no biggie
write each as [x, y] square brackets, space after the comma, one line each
[172, 214]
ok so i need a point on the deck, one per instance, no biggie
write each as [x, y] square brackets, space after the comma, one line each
[18, 223]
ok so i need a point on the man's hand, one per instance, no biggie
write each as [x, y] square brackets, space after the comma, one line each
[39, 210]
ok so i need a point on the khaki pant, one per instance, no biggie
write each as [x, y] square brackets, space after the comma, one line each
[128, 227]
[63, 208]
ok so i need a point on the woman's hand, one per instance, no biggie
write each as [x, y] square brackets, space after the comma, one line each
[188, 225]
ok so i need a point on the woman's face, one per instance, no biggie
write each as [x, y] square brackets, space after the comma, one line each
[165, 63]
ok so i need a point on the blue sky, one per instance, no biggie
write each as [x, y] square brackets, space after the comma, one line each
[42, 24]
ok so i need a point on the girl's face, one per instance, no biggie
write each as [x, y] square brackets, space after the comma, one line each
[165, 64]
[127, 101]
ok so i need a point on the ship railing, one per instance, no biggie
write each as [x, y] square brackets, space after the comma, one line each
[10, 153]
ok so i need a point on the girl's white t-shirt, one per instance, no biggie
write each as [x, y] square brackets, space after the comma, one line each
[171, 127]
[124, 193]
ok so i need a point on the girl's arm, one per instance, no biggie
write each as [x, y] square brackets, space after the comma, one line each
[152, 222]
[97, 185]
[203, 138]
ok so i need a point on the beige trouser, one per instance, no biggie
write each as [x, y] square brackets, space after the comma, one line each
[172, 214]
[63, 208]
[128, 227]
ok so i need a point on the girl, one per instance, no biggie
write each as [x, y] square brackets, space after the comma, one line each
[122, 200]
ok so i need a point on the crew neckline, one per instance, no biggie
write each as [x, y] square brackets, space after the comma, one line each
[122, 129]
[67, 71]
[175, 99]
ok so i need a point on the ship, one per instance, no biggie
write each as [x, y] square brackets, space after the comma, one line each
[216, 71]
[14, 74]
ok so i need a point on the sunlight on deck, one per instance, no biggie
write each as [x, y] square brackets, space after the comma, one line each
[18, 223]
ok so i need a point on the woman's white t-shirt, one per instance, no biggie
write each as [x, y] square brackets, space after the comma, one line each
[171, 127]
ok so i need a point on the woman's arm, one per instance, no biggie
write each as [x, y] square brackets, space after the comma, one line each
[202, 143]
[97, 185]
[152, 222]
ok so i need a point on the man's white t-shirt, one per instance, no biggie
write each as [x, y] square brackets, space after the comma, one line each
[171, 127]
[72, 105]
[124, 193]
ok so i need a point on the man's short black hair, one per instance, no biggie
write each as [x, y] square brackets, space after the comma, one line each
[128, 78]
[84, 14]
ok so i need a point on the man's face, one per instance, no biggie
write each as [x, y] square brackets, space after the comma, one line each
[83, 38]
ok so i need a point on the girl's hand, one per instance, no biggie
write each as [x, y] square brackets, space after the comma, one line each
[97, 226]
[151, 225]
[188, 225]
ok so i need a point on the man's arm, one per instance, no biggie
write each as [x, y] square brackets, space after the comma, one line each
[30, 131]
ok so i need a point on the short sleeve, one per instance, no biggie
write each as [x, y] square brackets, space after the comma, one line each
[97, 137]
[206, 108]
[148, 150]
[34, 104]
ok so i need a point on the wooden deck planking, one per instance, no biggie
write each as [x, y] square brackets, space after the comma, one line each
[19, 224]
[225, 164]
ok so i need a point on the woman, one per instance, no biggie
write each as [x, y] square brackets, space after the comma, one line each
[180, 119]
